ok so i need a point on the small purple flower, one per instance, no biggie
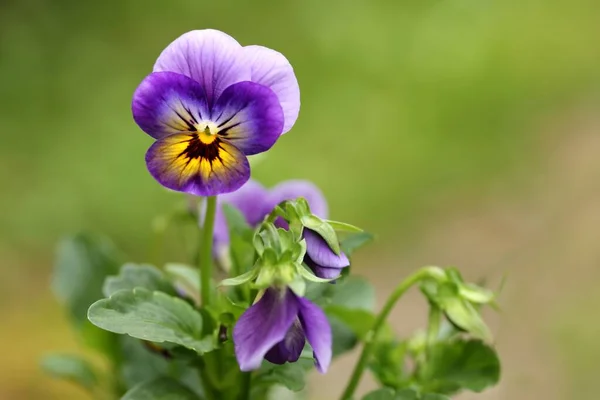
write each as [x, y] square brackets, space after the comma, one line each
[255, 202]
[276, 328]
[210, 103]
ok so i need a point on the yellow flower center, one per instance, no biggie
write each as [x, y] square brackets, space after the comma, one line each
[207, 132]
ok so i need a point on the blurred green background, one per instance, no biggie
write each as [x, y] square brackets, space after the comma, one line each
[461, 132]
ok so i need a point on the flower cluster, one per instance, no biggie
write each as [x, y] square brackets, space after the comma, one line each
[275, 327]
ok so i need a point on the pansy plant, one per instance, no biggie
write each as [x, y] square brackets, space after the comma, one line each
[273, 295]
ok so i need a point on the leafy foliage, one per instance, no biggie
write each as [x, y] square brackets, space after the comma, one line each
[152, 316]
[132, 276]
[160, 389]
[83, 261]
[458, 364]
[70, 367]
[160, 339]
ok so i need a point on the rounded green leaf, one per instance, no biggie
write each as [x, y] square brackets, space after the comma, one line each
[460, 364]
[152, 316]
[137, 275]
[160, 389]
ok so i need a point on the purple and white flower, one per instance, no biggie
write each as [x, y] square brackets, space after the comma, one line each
[276, 328]
[209, 104]
[255, 202]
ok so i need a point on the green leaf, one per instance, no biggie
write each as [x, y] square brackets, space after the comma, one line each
[83, 262]
[355, 293]
[236, 222]
[152, 316]
[290, 375]
[460, 364]
[160, 389]
[351, 243]
[359, 321]
[381, 394]
[344, 339]
[139, 364]
[388, 363]
[186, 279]
[325, 230]
[70, 367]
[343, 227]
[137, 275]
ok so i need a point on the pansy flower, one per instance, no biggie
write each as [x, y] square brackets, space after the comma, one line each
[276, 328]
[209, 104]
[255, 202]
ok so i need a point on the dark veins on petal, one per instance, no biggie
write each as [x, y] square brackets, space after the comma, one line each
[197, 149]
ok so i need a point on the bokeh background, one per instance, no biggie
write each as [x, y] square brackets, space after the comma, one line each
[461, 132]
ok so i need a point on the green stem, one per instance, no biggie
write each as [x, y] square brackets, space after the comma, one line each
[371, 337]
[433, 327]
[206, 384]
[245, 386]
[205, 255]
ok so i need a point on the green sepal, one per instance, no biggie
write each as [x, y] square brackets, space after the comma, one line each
[152, 316]
[476, 294]
[240, 279]
[307, 274]
[446, 294]
[343, 227]
[324, 230]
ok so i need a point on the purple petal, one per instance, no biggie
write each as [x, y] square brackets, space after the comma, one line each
[292, 189]
[319, 252]
[212, 58]
[185, 163]
[262, 326]
[318, 332]
[272, 69]
[252, 200]
[249, 115]
[166, 103]
[322, 272]
[290, 348]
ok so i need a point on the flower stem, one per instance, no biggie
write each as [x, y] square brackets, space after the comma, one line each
[433, 327]
[205, 256]
[371, 337]
[245, 386]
